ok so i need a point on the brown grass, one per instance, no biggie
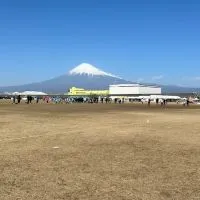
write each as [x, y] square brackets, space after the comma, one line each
[105, 152]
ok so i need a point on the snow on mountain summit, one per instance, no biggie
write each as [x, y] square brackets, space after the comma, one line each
[87, 69]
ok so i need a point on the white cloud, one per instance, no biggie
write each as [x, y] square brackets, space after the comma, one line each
[157, 77]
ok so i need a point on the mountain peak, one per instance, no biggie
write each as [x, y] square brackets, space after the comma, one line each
[88, 69]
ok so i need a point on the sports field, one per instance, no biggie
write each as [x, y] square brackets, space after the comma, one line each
[99, 152]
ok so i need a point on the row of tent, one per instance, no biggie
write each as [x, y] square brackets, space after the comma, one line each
[159, 97]
[31, 93]
[153, 97]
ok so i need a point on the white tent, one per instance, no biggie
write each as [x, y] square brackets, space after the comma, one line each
[32, 93]
[165, 97]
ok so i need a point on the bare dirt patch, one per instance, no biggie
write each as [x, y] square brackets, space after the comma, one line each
[85, 151]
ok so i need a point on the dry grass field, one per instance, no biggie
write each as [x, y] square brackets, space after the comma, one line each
[99, 152]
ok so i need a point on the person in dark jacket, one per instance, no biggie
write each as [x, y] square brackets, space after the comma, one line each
[149, 102]
[188, 102]
[18, 99]
[37, 99]
[28, 99]
[164, 102]
[106, 100]
[157, 101]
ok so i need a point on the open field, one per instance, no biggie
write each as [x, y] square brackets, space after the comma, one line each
[99, 152]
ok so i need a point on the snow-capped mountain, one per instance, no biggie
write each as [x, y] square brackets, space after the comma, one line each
[83, 76]
[90, 70]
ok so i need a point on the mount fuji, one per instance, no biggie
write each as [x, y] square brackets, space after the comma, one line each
[87, 69]
[83, 76]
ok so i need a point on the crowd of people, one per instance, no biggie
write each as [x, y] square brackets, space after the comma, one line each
[163, 102]
[17, 99]
[65, 100]
[59, 100]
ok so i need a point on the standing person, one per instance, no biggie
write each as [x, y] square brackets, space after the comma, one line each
[47, 99]
[164, 102]
[37, 99]
[14, 98]
[18, 99]
[188, 102]
[149, 102]
[157, 101]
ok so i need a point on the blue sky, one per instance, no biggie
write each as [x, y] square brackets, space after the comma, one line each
[151, 41]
